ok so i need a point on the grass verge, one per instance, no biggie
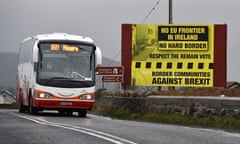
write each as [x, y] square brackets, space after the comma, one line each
[8, 106]
[224, 122]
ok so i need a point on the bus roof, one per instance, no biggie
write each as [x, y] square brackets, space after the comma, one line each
[60, 36]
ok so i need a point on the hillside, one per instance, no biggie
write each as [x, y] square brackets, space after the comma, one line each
[8, 67]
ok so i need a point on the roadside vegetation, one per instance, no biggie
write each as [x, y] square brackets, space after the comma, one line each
[219, 122]
[225, 122]
[8, 106]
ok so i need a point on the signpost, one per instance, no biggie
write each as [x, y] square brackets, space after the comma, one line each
[111, 74]
[109, 70]
[117, 79]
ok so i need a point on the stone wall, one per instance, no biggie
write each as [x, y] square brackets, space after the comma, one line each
[184, 105]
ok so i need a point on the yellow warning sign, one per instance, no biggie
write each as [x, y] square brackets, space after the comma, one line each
[172, 55]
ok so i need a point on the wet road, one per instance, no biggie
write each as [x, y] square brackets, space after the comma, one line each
[50, 128]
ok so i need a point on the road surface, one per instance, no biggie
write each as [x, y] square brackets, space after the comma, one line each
[51, 128]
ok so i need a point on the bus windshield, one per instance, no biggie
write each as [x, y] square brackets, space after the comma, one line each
[68, 65]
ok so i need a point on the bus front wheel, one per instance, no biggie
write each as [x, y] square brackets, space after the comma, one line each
[32, 110]
[82, 113]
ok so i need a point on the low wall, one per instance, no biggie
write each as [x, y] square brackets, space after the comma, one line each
[185, 105]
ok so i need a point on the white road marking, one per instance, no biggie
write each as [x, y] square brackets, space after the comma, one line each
[95, 133]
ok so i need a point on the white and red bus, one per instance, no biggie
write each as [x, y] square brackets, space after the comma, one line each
[57, 72]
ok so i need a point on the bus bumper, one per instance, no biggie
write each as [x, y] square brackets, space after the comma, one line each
[63, 104]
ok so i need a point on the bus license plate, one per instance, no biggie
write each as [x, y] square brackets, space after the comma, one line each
[65, 103]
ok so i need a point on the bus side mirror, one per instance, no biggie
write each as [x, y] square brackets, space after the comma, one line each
[98, 55]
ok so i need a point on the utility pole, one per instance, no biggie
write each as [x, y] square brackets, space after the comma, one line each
[170, 18]
[170, 21]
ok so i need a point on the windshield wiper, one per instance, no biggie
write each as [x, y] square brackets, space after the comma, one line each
[58, 78]
[71, 80]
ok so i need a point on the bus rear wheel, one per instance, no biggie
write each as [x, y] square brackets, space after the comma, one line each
[21, 107]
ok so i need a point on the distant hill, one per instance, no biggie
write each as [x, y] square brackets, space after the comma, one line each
[8, 68]
[109, 62]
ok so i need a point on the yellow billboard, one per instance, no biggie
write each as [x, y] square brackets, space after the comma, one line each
[172, 55]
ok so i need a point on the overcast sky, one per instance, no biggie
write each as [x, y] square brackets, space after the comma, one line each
[102, 19]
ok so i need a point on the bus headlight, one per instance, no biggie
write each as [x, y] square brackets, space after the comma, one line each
[86, 97]
[45, 95]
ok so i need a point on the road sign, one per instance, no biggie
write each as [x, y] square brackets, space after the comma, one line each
[109, 70]
[112, 79]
